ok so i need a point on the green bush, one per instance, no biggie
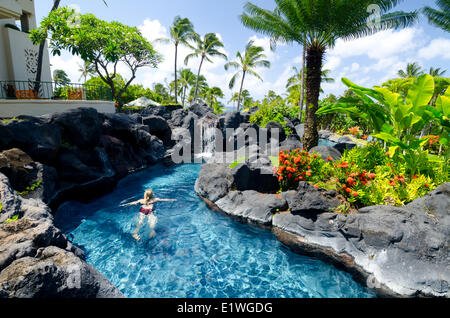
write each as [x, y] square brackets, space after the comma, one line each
[274, 110]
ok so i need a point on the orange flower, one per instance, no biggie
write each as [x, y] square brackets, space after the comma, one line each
[354, 130]
[348, 190]
[329, 159]
[355, 194]
[308, 174]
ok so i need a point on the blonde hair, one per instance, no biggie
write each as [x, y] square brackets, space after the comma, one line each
[148, 195]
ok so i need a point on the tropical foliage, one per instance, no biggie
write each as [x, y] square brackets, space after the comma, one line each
[253, 57]
[104, 44]
[318, 25]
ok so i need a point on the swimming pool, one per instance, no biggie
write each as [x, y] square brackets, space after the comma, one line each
[197, 253]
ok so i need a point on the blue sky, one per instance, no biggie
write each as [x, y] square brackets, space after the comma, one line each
[367, 61]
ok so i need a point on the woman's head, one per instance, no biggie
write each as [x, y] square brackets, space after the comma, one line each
[148, 195]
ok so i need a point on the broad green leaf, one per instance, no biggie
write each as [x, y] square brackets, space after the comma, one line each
[443, 105]
[421, 92]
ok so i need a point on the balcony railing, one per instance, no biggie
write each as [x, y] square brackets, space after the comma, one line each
[53, 90]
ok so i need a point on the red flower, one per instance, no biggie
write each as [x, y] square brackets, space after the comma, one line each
[355, 194]
[348, 190]
[329, 159]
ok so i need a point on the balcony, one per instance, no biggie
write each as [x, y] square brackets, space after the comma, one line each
[26, 98]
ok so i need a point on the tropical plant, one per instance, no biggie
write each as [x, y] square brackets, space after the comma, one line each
[318, 24]
[439, 17]
[206, 48]
[412, 70]
[187, 79]
[253, 57]
[41, 49]
[295, 86]
[86, 69]
[61, 78]
[397, 120]
[273, 109]
[181, 32]
[102, 43]
[436, 72]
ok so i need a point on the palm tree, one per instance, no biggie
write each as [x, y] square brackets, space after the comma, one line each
[181, 32]
[86, 69]
[318, 24]
[206, 47]
[253, 57]
[440, 18]
[412, 70]
[295, 85]
[187, 79]
[211, 94]
[436, 72]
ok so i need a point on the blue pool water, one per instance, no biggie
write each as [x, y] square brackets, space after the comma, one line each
[197, 253]
[326, 142]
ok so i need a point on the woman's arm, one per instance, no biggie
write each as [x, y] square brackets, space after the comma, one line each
[166, 200]
[131, 203]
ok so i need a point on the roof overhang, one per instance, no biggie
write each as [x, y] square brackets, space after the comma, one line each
[6, 13]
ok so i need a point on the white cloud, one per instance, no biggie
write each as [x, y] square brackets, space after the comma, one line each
[437, 48]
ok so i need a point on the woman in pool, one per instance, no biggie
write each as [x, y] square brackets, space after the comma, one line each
[147, 210]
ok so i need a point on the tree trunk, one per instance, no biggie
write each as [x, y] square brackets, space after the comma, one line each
[37, 83]
[240, 91]
[313, 78]
[198, 77]
[184, 95]
[176, 79]
[302, 85]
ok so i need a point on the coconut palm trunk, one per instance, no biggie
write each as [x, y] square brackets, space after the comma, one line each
[302, 88]
[240, 91]
[198, 77]
[37, 83]
[314, 61]
[176, 78]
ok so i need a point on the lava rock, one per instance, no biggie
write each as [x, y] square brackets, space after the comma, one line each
[35, 136]
[308, 199]
[159, 127]
[326, 151]
[256, 173]
[201, 110]
[252, 206]
[81, 126]
[214, 181]
[398, 251]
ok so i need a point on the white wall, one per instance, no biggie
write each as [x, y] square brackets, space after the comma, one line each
[14, 108]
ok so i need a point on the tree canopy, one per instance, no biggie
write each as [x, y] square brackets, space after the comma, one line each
[104, 44]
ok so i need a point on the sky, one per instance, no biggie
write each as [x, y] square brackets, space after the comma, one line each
[367, 61]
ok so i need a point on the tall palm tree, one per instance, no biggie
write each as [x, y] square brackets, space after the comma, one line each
[253, 57]
[439, 17]
[181, 32]
[187, 79]
[207, 47]
[86, 69]
[318, 24]
[412, 70]
[436, 72]
[295, 85]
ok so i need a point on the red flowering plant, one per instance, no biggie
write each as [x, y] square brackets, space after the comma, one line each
[298, 165]
[352, 182]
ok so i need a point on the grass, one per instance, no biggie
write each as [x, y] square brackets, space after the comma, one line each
[6, 121]
[234, 164]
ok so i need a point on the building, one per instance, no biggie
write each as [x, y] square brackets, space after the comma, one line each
[18, 67]
[18, 55]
